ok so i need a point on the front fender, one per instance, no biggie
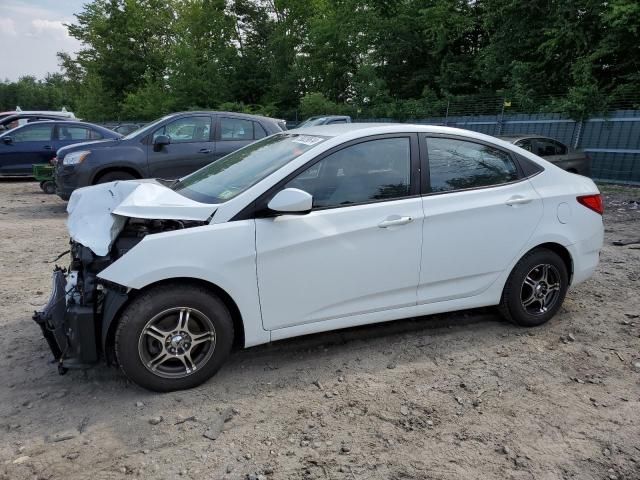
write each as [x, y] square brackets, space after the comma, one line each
[221, 254]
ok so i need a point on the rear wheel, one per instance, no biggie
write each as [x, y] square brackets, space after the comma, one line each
[173, 337]
[535, 289]
[113, 176]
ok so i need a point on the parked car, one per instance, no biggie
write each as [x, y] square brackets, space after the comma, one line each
[311, 230]
[324, 120]
[567, 158]
[37, 142]
[170, 147]
[9, 122]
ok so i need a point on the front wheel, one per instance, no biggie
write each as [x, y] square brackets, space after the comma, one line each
[535, 289]
[173, 337]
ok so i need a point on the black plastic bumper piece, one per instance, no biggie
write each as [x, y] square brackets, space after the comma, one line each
[68, 329]
[51, 317]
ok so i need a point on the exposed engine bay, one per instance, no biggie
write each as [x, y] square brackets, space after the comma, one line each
[77, 319]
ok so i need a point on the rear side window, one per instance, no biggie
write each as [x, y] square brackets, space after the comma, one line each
[460, 164]
[236, 129]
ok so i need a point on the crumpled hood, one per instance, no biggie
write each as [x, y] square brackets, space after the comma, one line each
[97, 214]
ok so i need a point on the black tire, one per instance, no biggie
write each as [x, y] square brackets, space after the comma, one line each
[42, 185]
[113, 176]
[133, 347]
[49, 187]
[528, 299]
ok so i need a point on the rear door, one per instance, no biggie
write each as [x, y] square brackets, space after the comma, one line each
[29, 145]
[479, 214]
[236, 132]
[191, 147]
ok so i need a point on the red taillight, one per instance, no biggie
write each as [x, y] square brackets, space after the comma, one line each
[592, 202]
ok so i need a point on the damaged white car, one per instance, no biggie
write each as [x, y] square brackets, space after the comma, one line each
[312, 230]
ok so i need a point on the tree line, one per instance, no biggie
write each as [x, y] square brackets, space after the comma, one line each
[370, 58]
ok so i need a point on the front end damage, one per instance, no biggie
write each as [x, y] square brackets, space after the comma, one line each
[77, 321]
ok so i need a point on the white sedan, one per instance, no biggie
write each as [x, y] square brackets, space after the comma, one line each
[312, 230]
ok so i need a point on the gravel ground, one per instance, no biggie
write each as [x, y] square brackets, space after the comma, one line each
[460, 396]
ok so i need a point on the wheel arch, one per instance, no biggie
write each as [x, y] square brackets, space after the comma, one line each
[561, 251]
[119, 168]
[110, 322]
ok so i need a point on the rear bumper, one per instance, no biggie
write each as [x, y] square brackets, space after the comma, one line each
[586, 256]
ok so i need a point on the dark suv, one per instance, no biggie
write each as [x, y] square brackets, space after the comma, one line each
[169, 148]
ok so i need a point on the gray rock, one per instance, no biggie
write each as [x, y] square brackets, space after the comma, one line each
[404, 410]
[139, 404]
[212, 433]
[62, 436]
[156, 420]
[345, 449]
[506, 450]
[391, 366]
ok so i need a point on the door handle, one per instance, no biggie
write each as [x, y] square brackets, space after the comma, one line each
[394, 221]
[47, 147]
[518, 200]
[204, 150]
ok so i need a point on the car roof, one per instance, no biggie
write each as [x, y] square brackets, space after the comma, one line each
[216, 112]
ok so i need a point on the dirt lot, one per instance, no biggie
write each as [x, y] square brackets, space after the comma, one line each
[462, 396]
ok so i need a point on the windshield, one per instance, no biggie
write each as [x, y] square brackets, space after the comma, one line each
[231, 175]
[147, 128]
[311, 122]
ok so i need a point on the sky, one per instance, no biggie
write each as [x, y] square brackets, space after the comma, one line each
[31, 33]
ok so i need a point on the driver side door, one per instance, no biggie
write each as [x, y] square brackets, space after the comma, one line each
[191, 147]
[31, 144]
[358, 251]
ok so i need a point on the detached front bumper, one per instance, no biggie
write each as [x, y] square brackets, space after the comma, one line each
[68, 328]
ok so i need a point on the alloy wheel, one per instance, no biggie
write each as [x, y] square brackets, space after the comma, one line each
[177, 342]
[540, 289]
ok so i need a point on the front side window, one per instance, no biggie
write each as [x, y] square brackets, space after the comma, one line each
[526, 144]
[33, 133]
[233, 174]
[459, 164]
[186, 130]
[364, 172]
[236, 129]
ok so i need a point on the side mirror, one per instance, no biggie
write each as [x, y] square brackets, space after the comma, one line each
[7, 140]
[291, 200]
[160, 141]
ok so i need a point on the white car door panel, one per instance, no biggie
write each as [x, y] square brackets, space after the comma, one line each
[338, 262]
[478, 218]
[471, 236]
